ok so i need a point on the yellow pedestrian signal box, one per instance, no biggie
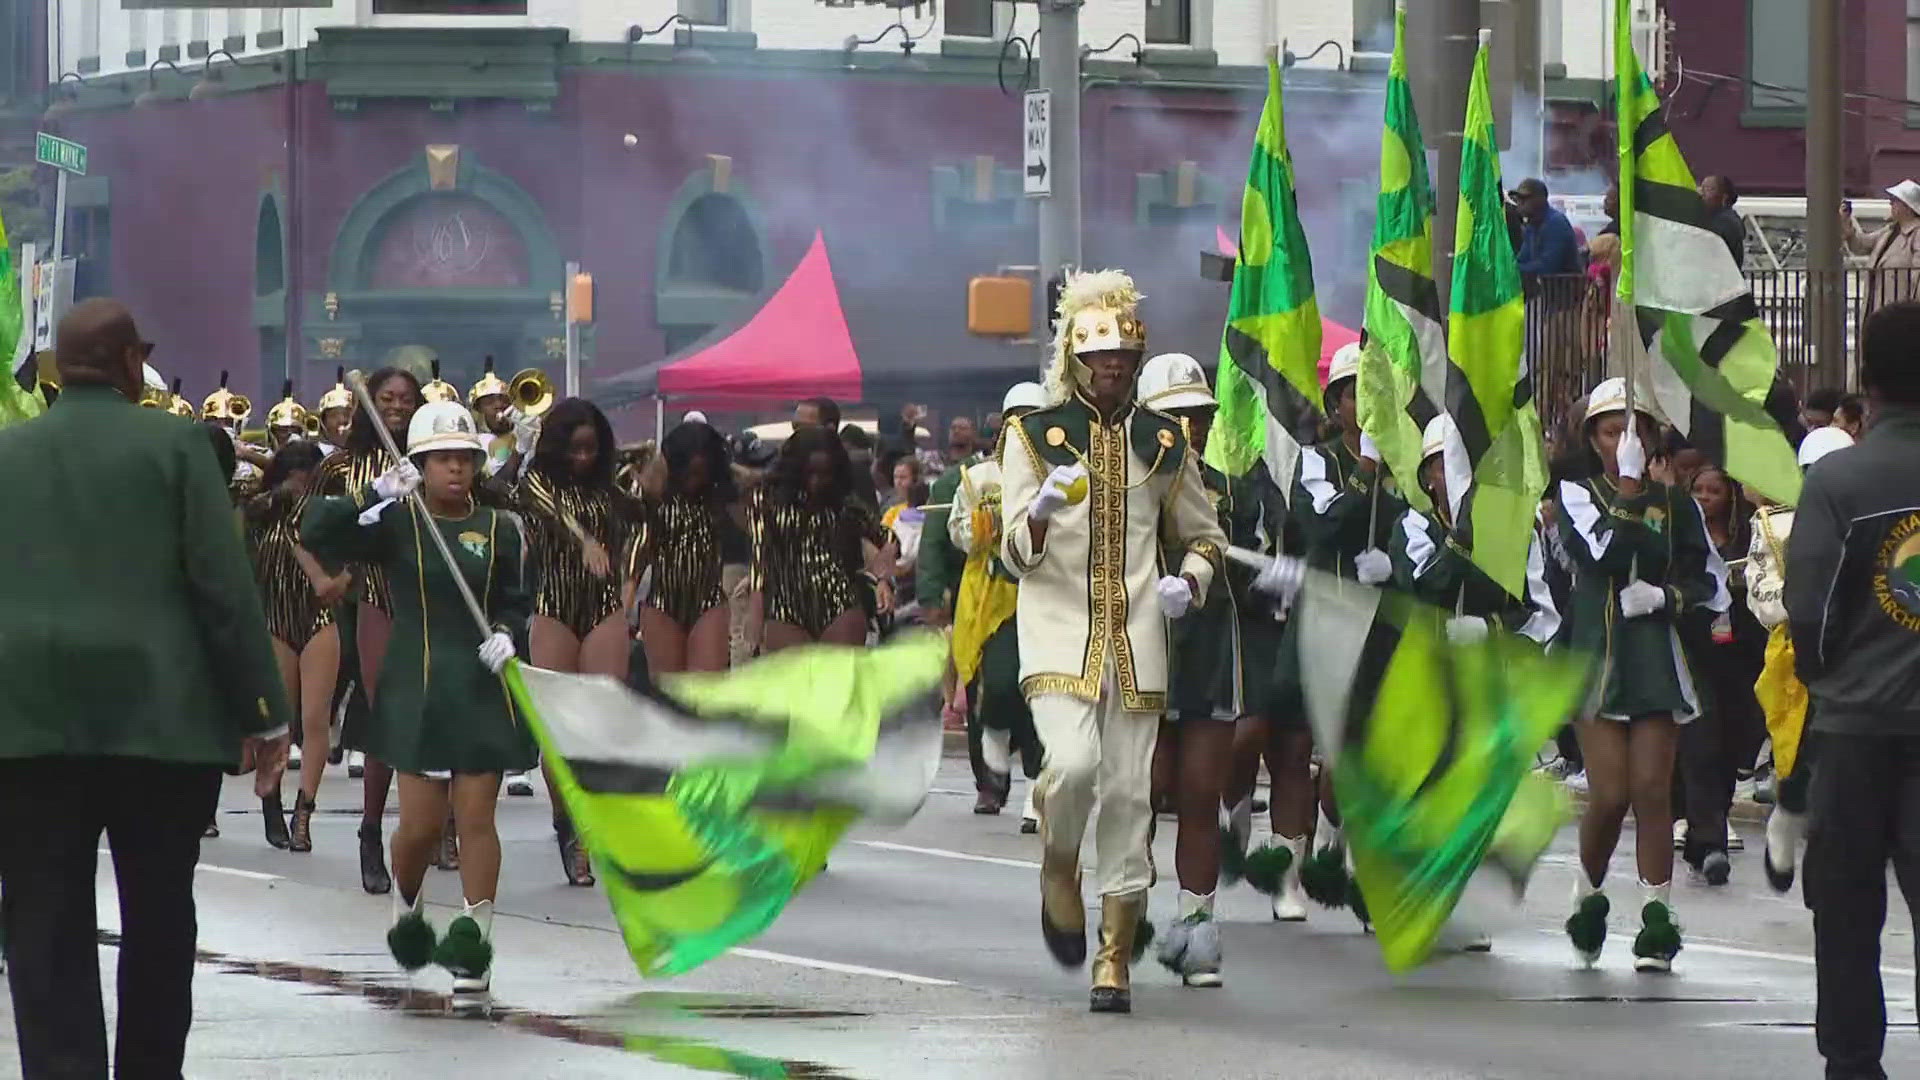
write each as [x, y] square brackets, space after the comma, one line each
[1000, 306]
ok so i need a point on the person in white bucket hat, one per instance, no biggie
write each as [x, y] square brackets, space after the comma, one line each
[1893, 251]
[446, 727]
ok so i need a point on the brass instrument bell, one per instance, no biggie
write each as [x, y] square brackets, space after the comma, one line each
[312, 426]
[533, 393]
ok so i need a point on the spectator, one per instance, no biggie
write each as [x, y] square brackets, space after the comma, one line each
[816, 412]
[1719, 194]
[907, 472]
[1893, 252]
[1610, 205]
[859, 446]
[1547, 243]
[1820, 407]
[1852, 596]
[1851, 416]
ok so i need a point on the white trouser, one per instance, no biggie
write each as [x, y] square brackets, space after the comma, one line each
[1098, 751]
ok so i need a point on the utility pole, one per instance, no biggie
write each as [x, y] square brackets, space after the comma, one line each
[1826, 289]
[1059, 211]
[1443, 36]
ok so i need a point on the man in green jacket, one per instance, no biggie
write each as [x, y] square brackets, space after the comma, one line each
[136, 662]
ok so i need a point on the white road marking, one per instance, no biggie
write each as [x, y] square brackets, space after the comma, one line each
[843, 969]
[942, 853]
[250, 875]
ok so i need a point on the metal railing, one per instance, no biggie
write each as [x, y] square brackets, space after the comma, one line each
[1567, 329]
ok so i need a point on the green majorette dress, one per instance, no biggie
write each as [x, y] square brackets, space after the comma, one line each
[1222, 655]
[1341, 512]
[1659, 537]
[439, 709]
[1430, 567]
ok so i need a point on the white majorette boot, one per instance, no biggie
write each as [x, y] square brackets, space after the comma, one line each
[1587, 926]
[410, 937]
[1030, 813]
[1784, 831]
[1191, 948]
[1659, 939]
[467, 949]
[1290, 903]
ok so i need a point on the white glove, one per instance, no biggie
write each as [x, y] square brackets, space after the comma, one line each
[1630, 455]
[1176, 596]
[526, 431]
[1282, 578]
[1372, 566]
[1640, 598]
[1368, 449]
[496, 651]
[1466, 629]
[397, 482]
[1053, 491]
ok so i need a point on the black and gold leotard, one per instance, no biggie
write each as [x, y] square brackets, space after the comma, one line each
[565, 591]
[807, 561]
[352, 472]
[679, 540]
[294, 613]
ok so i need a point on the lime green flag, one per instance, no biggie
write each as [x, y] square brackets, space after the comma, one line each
[1497, 484]
[1269, 373]
[15, 403]
[1431, 744]
[1403, 369]
[1713, 361]
[708, 806]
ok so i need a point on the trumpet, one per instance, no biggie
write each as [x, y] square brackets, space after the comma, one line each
[532, 391]
[239, 406]
[312, 426]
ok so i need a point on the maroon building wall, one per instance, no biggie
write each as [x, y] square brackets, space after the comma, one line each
[849, 157]
[1710, 40]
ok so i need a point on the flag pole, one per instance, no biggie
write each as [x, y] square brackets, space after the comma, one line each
[359, 384]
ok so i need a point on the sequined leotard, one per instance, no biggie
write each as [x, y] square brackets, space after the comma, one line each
[352, 472]
[565, 591]
[294, 613]
[807, 561]
[679, 540]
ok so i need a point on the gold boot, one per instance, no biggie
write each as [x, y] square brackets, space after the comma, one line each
[1063, 915]
[1119, 923]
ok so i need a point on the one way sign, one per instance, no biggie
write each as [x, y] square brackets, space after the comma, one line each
[1037, 129]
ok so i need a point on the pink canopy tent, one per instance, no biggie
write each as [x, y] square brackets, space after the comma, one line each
[1332, 334]
[797, 345]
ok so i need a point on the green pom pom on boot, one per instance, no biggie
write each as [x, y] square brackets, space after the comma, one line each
[1659, 939]
[1233, 858]
[1323, 876]
[1587, 926]
[411, 937]
[465, 950]
[1266, 869]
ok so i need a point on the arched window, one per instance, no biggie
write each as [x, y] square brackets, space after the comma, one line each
[715, 246]
[269, 261]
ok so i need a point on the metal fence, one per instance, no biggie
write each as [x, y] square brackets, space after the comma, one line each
[1567, 329]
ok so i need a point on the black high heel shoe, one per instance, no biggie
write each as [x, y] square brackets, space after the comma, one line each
[276, 821]
[301, 830]
[374, 877]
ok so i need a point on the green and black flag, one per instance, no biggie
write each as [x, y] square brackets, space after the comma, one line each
[708, 807]
[1489, 394]
[1403, 369]
[1713, 360]
[1269, 373]
[1432, 749]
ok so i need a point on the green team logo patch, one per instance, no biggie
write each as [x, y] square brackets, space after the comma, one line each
[475, 543]
[1896, 576]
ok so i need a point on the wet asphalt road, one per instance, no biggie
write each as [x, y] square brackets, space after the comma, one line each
[916, 956]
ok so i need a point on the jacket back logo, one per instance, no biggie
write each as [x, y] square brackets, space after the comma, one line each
[1896, 573]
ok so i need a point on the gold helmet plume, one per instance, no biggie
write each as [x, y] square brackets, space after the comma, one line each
[288, 413]
[1098, 312]
[224, 404]
[438, 389]
[490, 385]
[339, 397]
[180, 406]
